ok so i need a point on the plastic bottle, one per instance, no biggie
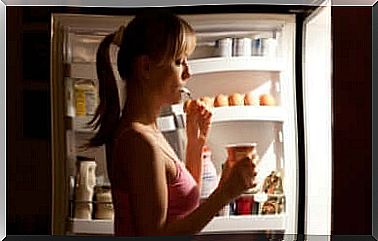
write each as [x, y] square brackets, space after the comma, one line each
[209, 176]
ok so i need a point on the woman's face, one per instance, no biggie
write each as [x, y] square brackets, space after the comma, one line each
[169, 79]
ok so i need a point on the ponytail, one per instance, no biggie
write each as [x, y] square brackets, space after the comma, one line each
[107, 114]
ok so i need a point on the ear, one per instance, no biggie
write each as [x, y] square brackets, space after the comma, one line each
[143, 66]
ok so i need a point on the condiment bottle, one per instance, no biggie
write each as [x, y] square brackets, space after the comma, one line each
[84, 187]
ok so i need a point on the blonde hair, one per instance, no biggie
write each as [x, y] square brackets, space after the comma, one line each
[160, 35]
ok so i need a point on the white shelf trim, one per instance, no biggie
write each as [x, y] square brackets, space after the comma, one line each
[217, 224]
[248, 113]
[221, 64]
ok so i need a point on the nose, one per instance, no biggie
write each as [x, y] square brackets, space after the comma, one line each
[186, 74]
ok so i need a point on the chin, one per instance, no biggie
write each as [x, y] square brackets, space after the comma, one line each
[173, 100]
[176, 101]
[177, 98]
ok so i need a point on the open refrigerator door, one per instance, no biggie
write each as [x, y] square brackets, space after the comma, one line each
[317, 103]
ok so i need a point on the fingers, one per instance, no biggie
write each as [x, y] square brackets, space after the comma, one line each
[248, 162]
[247, 171]
[199, 114]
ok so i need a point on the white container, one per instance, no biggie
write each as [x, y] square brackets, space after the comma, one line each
[241, 47]
[223, 47]
[257, 47]
[264, 47]
[209, 176]
[85, 180]
[269, 47]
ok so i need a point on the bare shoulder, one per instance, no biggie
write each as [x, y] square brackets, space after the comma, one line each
[138, 160]
[135, 135]
[136, 143]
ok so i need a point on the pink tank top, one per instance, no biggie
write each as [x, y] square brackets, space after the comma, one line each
[183, 198]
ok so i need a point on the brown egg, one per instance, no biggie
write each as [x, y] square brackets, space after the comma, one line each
[236, 99]
[221, 100]
[209, 101]
[251, 99]
[267, 99]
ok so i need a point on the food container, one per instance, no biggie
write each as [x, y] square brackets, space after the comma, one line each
[83, 210]
[241, 47]
[85, 97]
[85, 178]
[256, 47]
[71, 193]
[269, 47]
[236, 152]
[244, 205]
[223, 47]
[264, 47]
[104, 205]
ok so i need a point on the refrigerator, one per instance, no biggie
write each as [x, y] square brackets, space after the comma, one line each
[282, 63]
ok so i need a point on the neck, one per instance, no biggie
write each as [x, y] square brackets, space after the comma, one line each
[143, 108]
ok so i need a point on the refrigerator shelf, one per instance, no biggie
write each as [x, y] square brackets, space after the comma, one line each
[87, 70]
[228, 114]
[236, 113]
[217, 224]
[248, 113]
[220, 114]
[222, 64]
[243, 223]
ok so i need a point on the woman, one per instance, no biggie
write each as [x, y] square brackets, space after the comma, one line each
[154, 193]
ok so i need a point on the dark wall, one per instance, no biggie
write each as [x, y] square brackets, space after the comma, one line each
[28, 122]
[28, 116]
[352, 120]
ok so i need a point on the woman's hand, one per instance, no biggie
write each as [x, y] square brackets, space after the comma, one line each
[198, 118]
[238, 178]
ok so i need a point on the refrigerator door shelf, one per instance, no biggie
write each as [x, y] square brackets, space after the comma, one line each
[93, 226]
[80, 124]
[84, 70]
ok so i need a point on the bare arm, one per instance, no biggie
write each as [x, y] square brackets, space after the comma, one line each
[197, 128]
[149, 194]
[147, 185]
[193, 160]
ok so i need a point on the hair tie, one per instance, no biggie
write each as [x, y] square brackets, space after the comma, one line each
[118, 36]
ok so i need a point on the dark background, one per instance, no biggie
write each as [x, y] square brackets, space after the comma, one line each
[29, 164]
